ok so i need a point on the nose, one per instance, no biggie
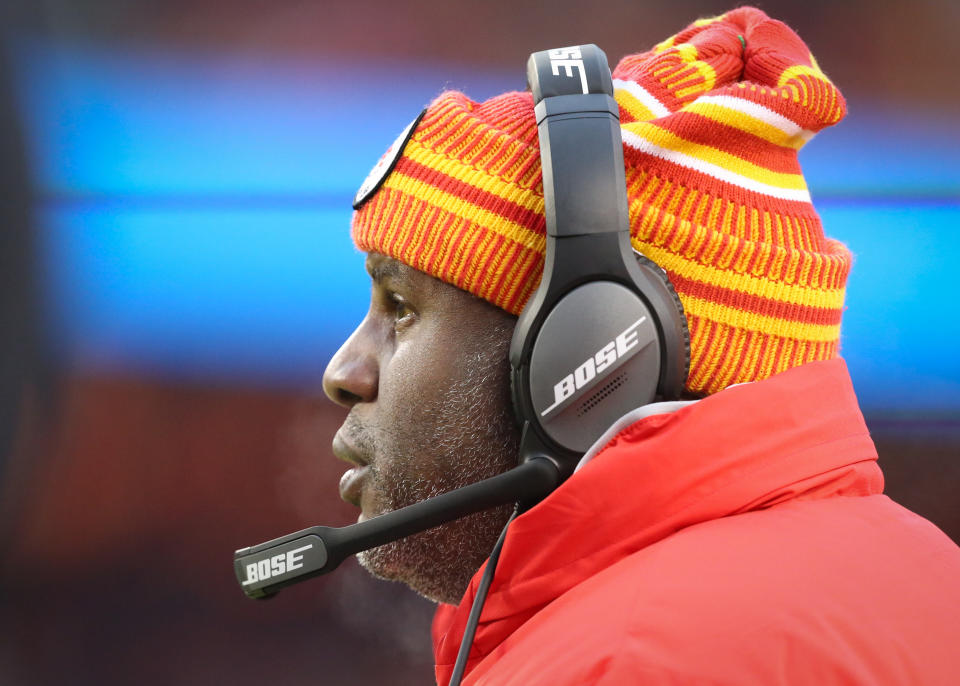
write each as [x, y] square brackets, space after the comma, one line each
[353, 374]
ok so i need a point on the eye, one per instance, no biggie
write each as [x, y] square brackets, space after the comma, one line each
[403, 314]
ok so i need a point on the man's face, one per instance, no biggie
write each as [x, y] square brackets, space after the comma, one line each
[426, 379]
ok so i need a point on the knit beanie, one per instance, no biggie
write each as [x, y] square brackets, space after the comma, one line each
[712, 119]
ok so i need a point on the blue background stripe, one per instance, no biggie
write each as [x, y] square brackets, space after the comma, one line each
[195, 211]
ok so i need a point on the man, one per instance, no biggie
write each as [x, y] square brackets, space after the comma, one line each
[740, 538]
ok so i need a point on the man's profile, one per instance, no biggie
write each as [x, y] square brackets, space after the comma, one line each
[738, 536]
[426, 378]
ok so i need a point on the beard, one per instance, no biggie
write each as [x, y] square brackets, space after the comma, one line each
[462, 434]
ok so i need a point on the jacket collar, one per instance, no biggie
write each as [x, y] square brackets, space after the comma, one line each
[797, 435]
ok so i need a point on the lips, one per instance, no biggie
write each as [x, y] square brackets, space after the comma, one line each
[351, 483]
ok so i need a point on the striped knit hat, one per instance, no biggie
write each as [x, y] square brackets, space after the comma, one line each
[712, 120]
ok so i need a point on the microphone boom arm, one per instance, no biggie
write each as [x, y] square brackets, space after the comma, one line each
[264, 569]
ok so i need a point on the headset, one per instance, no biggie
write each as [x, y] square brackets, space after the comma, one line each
[603, 334]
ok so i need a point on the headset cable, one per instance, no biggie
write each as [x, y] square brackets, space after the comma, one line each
[474, 619]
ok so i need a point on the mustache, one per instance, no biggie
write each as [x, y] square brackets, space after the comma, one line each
[359, 437]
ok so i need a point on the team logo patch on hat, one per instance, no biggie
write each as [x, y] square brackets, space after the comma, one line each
[386, 164]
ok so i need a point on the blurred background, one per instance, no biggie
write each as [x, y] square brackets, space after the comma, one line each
[176, 271]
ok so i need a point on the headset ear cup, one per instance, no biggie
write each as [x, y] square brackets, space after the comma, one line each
[651, 267]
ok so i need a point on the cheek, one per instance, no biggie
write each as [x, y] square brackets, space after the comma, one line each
[410, 414]
[418, 372]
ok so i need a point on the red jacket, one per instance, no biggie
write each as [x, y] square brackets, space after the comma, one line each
[740, 540]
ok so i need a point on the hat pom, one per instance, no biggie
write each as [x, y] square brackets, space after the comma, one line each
[743, 52]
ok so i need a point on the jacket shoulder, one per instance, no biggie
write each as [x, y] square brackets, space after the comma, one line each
[843, 590]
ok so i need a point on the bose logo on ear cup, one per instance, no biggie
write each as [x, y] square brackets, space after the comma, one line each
[594, 364]
[569, 59]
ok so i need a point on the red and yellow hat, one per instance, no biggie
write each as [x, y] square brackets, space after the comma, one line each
[712, 119]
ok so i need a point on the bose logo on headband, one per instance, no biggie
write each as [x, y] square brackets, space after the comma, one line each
[569, 59]
[594, 364]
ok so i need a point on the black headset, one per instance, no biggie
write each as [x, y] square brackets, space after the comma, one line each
[603, 334]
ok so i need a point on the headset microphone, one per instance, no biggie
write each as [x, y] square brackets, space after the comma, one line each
[264, 569]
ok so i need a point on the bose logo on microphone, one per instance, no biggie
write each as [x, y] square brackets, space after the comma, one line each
[275, 566]
[594, 364]
[569, 59]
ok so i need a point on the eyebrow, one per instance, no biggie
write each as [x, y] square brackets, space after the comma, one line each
[384, 269]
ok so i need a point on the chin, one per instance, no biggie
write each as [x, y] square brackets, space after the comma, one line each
[428, 575]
